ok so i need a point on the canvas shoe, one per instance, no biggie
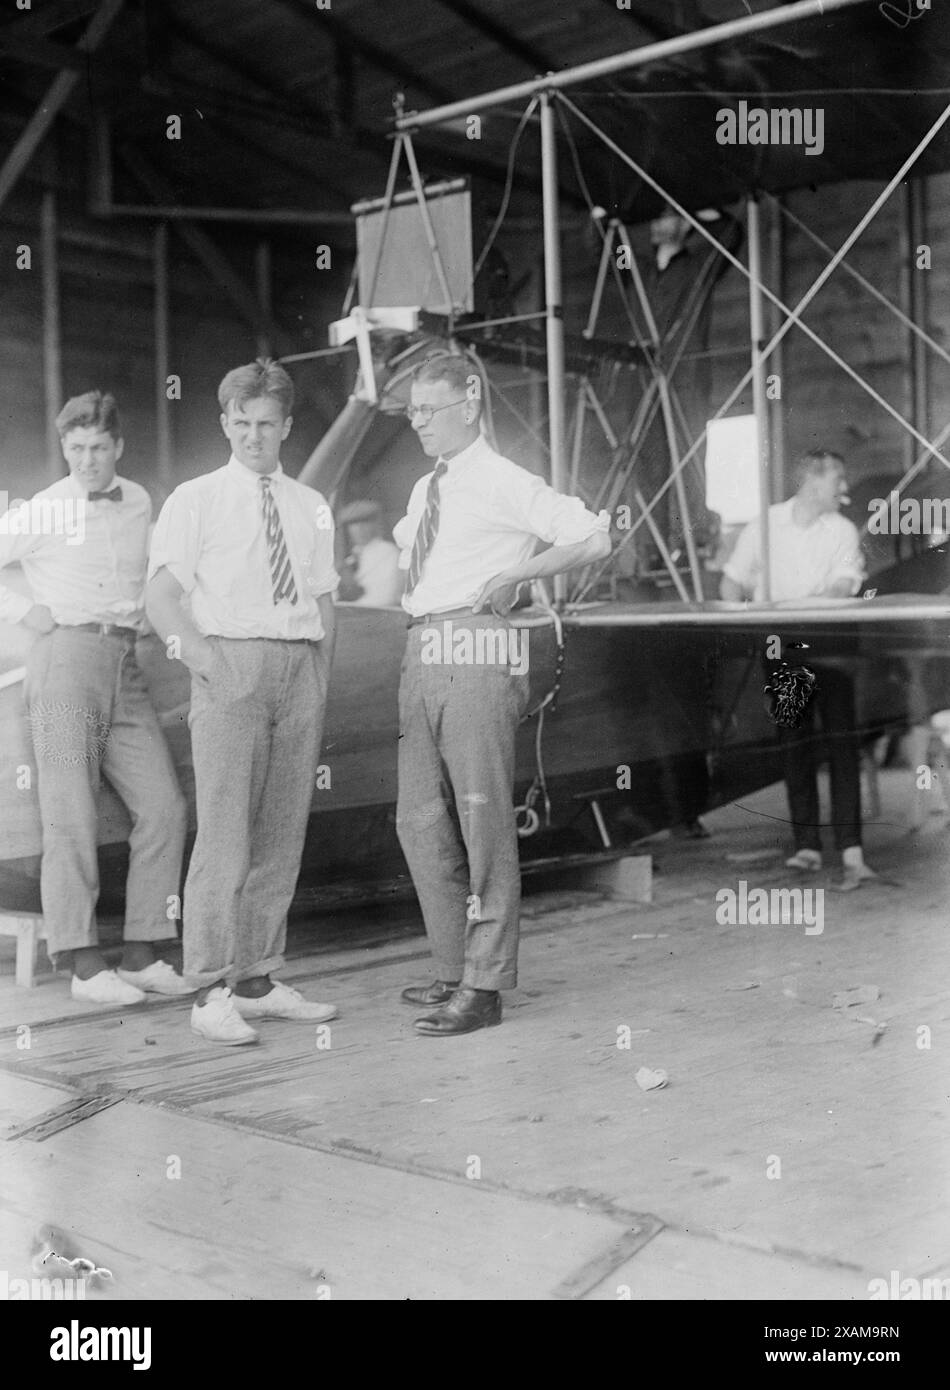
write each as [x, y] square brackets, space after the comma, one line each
[105, 988]
[219, 1021]
[157, 978]
[283, 1002]
[853, 876]
[808, 859]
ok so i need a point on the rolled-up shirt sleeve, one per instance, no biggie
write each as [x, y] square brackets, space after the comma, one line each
[16, 542]
[848, 562]
[532, 505]
[176, 541]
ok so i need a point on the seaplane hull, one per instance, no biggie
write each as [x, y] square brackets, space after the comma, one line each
[660, 715]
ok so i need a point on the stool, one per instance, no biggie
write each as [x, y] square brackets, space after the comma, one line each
[29, 930]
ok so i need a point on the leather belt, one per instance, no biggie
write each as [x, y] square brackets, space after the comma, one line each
[103, 629]
[428, 618]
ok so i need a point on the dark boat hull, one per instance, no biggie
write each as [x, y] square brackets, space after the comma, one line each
[659, 717]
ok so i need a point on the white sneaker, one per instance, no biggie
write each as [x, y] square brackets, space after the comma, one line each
[105, 988]
[283, 1002]
[853, 876]
[157, 978]
[218, 1020]
[808, 859]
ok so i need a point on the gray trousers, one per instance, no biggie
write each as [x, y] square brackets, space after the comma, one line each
[91, 716]
[256, 727]
[454, 817]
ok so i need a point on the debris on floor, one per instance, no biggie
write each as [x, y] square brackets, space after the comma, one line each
[649, 1079]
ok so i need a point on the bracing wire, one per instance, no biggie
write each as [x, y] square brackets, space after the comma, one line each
[509, 183]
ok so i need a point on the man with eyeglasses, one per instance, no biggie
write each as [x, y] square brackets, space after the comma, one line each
[468, 543]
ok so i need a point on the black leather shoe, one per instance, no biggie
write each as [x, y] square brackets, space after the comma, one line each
[467, 1010]
[439, 992]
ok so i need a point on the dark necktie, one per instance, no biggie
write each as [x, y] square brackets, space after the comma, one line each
[281, 573]
[113, 495]
[428, 527]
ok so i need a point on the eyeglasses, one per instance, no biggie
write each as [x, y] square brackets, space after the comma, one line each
[426, 412]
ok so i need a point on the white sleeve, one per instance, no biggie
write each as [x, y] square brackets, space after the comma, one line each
[535, 507]
[16, 542]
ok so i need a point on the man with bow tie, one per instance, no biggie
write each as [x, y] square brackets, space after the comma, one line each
[89, 708]
[469, 540]
[251, 550]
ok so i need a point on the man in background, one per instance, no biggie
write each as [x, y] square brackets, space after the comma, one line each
[814, 552]
[371, 574]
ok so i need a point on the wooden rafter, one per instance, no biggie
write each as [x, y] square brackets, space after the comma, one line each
[46, 18]
[380, 58]
[499, 34]
[39, 53]
[57, 95]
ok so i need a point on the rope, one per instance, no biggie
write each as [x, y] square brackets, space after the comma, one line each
[539, 786]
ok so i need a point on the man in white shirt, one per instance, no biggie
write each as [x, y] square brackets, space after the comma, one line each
[468, 542]
[251, 551]
[373, 577]
[82, 544]
[813, 552]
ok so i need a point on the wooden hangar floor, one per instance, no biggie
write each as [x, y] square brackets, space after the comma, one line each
[798, 1152]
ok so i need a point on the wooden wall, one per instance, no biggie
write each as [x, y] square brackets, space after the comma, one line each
[107, 315]
[820, 403]
[107, 327]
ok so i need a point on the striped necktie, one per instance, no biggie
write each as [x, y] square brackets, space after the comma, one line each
[428, 527]
[281, 573]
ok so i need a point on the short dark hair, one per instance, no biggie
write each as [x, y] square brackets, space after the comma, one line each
[816, 462]
[94, 410]
[457, 371]
[261, 378]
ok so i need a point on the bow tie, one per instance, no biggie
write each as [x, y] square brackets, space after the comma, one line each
[114, 495]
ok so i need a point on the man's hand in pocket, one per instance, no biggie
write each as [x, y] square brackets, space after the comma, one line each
[39, 618]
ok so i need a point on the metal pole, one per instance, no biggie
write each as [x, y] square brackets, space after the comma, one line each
[913, 328]
[52, 353]
[554, 322]
[578, 444]
[57, 95]
[254, 216]
[759, 401]
[666, 409]
[622, 62]
[792, 316]
[163, 431]
[918, 284]
[776, 408]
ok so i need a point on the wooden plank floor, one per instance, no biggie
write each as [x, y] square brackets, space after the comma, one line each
[790, 1156]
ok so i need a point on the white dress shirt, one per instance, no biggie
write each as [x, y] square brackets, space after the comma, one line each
[210, 536]
[804, 560]
[84, 560]
[492, 513]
